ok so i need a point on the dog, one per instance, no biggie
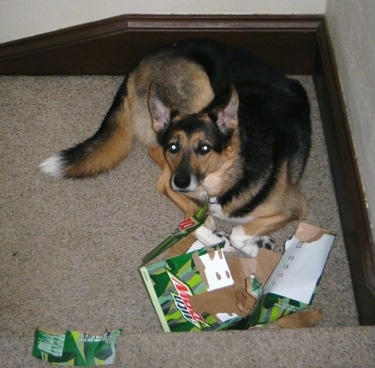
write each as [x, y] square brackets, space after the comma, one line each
[224, 126]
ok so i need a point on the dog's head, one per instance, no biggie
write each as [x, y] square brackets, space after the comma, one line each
[200, 148]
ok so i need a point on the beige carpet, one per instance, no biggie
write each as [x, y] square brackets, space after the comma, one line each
[70, 250]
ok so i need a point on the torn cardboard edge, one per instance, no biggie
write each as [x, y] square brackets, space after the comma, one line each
[180, 286]
[236, 298]
[74, 348]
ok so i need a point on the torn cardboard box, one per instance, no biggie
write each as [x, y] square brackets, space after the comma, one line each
[200, 289]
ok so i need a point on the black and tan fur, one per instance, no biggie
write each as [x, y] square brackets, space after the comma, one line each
[222, 125]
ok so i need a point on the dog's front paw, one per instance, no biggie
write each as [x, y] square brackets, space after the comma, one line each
[210, 237]
[249, 244]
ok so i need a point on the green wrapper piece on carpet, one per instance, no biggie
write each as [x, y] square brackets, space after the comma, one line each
[73, 348]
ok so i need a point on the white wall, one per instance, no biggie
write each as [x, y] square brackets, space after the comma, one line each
[352, 28]
[23, 18]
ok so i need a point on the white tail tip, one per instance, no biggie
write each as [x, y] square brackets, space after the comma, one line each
[53, 166]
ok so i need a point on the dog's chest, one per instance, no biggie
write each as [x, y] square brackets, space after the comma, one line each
[216, 210]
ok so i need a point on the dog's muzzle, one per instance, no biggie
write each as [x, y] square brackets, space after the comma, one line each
[184, 183]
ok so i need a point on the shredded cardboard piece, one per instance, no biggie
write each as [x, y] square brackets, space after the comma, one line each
[309, 233]
[305, 318]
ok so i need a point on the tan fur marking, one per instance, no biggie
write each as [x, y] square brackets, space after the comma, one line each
[223, 169]
[285, 203]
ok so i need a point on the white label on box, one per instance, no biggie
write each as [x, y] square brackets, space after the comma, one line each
[216, 270]
[299, 269]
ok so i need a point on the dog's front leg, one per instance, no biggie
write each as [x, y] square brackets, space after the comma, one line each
[286, 206]
[251, 236]
[187, 206]
[208, 235]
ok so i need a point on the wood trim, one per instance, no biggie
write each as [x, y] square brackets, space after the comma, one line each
[113, 45]
[293, 44]
[355, 222]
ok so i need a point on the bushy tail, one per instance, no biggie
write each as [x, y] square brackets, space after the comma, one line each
[103, 151]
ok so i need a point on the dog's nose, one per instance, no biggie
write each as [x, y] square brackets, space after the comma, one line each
[181, 181]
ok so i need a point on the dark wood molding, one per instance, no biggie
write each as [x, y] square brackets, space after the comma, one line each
[113, 45]
[293, 44]
[355, 223]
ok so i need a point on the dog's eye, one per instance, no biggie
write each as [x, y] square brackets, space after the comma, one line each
[204, 149]
[173, 148]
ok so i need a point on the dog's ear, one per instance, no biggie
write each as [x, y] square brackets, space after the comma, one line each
[159, 108]
[227, 119]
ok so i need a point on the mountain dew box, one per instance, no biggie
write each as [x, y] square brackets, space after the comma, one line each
[200, 288]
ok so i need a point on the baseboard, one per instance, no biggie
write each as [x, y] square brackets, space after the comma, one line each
[112, 46]
[355, 222]
[293, 44]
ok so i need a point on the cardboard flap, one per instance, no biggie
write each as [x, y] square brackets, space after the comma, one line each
[181, 247]
[261, 266]
[309, 233]
[228, 300]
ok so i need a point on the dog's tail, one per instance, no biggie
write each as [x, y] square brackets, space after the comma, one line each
[103, 151]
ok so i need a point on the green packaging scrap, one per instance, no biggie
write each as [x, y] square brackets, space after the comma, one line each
[73, 348]
[184, 229]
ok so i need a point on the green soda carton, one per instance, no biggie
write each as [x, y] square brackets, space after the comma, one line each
[204, 289]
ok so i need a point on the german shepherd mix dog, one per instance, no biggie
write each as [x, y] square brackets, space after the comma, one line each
[224, 127]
